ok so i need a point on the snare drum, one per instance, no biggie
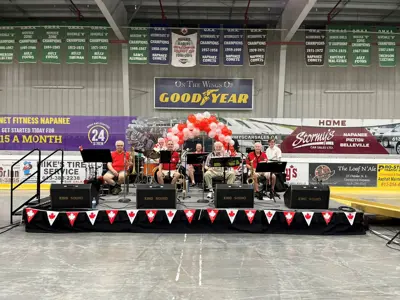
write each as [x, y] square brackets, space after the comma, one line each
[148, 169]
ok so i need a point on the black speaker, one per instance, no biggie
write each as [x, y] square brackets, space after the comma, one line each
[155, 196]
[67, 196]
[307, 196]
[234, 196]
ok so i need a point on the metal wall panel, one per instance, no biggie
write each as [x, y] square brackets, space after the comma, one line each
[101, 93]
[308, 86]
[265, 85]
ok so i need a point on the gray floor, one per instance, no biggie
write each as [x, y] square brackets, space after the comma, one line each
[208, 266]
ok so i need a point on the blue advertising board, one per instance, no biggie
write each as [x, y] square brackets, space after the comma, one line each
[203, 93]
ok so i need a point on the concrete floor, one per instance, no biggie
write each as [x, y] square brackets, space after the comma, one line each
[208, 266]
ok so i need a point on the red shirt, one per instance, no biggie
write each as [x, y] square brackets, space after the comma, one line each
[174, 162]
[252, 156]
[118, 162]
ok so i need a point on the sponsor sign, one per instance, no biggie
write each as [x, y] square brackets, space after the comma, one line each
[389, 176]
[184, 47]
[340, 140]
[26, 132]
[343, 174]
[194, 93]
[297, 173]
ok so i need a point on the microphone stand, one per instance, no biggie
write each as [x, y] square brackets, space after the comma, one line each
[126, 182]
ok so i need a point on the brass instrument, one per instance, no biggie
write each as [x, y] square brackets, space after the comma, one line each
[250, 180]
[131, 170]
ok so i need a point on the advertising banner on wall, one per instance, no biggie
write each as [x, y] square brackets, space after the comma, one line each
[194, 93]
[209, 45]
[338, 46]
[159, 41]
[138, 51]
[233, 46]
[389, 176]
[386, 39]
[361, 46]
[61, 132]
[51, 44]
[256, 39]
[184, 47]
[98, 45]
[7, 44]
[28, 44]
[315, 47]
[334, 174]
[76, 45]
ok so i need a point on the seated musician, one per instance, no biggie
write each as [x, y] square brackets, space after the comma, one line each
[169, 169]
[274, 153]
[192, 168]
[121, 161]
[160, 145]
[252, 161]
[212, 172]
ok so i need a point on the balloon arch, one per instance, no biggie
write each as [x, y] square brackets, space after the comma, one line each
[197, 123]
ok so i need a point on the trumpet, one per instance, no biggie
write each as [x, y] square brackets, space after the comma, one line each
[250, 180]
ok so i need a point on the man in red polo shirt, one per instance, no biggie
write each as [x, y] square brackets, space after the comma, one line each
[255, 157]
[169, 168]
[116, 169]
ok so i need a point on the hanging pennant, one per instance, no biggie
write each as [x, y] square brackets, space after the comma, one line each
[170, 214]
[7, 44]
[209, 46]
[256, 39]
[350, 217]
[184, 47]
[151, 214]
[132, 215]
[30, 212]
[52, 216]
[289, 216]
[92, 215]
[72, 217]
[190, 214]
[269, 214]
[28, 40]
[233, 46]
[327, 216]
[231, 214]
[111, 215]
[212, 213]
[308, 215]
[250, 214]
[159, 44]
[51, 44]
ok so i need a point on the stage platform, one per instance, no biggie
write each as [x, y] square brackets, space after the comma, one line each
[193, 217]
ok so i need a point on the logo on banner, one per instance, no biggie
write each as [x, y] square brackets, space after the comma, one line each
[27, 168]
[98, 133]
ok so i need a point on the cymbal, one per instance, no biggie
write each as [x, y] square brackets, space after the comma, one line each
[152, 154]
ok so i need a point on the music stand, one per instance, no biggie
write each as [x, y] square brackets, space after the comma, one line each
[224, 162]
[273, 168]
[196, 159]
[96, 156]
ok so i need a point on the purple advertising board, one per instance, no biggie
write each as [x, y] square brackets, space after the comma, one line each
[25, 132]
[203, 93]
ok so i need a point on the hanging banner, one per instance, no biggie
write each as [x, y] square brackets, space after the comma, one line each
[361, 46]
[28, 39]
[209, 47]
[76, 45]
[315, 47]
[184, 47]
[194, 93]
[7, 44]
[233, 47]
[159, 45]
[337, 46]
[386, 46]
[98, 45]
[256, 39]
[138, 51]
[51, 44]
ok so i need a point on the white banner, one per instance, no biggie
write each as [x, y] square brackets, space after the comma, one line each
[184, 48]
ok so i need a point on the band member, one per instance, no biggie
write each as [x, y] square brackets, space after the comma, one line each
[169, 168]
[252, 161]
[121, 161]
[216, 171]
[191, 168]
[161, 145]
[274, 153]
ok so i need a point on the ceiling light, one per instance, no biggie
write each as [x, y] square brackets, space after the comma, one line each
[58, 87]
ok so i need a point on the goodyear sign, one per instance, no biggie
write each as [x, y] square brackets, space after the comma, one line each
[194, 93]
[389, 176]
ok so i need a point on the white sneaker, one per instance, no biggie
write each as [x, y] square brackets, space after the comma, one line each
[210, 195]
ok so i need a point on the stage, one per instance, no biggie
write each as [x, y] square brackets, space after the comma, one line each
[192, 217]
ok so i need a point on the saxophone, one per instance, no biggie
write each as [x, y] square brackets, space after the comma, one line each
[250, 180]
[131, 170]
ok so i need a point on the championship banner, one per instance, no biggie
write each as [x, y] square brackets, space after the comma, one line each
[233, 46]
[51, 44]
[138, 51]
[28, 40]
[361, 46]
[386, 46]
[184, 47]
[209, 47]
[389, 176]
[194, 93]
[26, 132]
[7, 44]
[315, 47]
[256, 40]
[344, 174]
[98, 45]
[76, 45]
[159, 41]
[338, 46]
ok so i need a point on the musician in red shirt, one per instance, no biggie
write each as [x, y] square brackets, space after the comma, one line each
[169, 168]
[254, 158]
[117, 168]
[191, 168]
